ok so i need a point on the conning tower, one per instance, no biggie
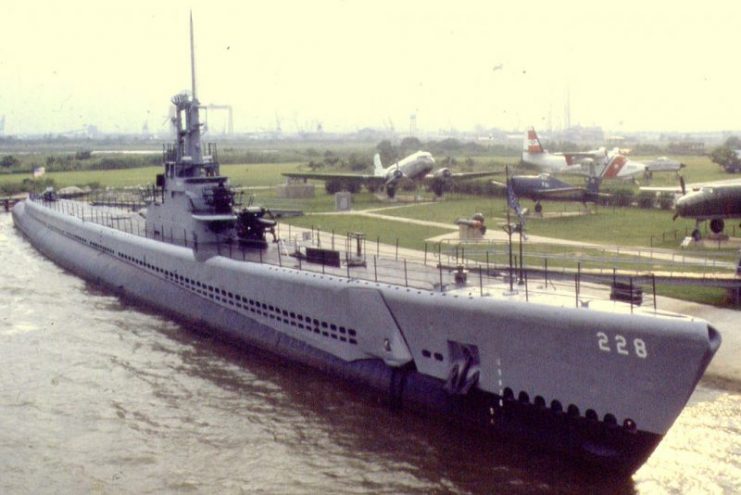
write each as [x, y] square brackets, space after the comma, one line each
[192, 203]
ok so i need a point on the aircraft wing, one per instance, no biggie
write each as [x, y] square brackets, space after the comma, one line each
[581, 154]
[664, 165]
[694, 186]
[555, 191]
[472, 175]
[366, 178]
[672, 189]
[461, 175]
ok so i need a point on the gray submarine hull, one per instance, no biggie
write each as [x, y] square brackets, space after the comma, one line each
[504, 417]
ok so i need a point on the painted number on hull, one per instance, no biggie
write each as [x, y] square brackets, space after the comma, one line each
[620, 345]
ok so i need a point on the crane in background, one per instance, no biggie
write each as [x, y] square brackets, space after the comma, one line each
[229, 117]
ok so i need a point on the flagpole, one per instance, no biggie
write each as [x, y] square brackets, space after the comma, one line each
[509, 229]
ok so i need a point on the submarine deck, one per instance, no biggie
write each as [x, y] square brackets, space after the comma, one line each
[391, 265]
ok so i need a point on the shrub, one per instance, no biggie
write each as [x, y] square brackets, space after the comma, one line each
[333, 186]
[622, 197]
[646, 199]
[9, 161]
[666, 200]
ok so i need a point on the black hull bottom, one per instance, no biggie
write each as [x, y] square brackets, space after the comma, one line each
[594, 444]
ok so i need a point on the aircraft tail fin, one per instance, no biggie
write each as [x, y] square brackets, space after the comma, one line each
[377, 165]
[613, 167]
[531, 143]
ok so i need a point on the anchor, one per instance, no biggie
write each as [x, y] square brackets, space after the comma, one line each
[464, 370]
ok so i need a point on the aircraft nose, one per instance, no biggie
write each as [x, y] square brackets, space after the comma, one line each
[685, 205]
[680, 207]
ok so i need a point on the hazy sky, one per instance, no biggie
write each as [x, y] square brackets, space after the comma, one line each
[626, 65]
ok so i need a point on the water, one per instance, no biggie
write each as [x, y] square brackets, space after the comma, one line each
[100, 396]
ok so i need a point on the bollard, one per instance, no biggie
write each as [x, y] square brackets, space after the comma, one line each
[546, 272]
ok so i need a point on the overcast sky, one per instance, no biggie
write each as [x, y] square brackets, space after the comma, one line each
[625, 65]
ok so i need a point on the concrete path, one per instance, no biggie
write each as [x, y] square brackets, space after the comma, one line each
[725, 369]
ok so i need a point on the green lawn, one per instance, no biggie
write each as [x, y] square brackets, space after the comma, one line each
[408, 235]
[704, 295]
[261, 174]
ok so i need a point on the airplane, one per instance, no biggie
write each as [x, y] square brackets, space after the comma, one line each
[534, 154]
[417, 167]
[618, 166]
[663, 164]
[714, 201]
[545, 186]
[613, 163]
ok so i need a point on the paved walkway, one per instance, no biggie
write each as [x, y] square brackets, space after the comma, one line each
[726, 365]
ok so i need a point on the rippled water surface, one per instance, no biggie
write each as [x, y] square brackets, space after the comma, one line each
[97, 395]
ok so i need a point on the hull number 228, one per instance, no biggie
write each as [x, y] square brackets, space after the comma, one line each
[621, 345]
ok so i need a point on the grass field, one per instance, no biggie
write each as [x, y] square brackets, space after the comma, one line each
[612, 226]
[409, 235]
[624, 226]
[261, 174]
[703, 295]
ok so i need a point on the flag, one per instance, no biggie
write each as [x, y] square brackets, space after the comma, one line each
[513, 203]
[38, 171]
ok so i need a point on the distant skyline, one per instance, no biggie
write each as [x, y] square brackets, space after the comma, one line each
[625, 66]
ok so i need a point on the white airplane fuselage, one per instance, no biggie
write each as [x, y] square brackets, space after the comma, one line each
[547, 162]
[620, 167]
[415, 166]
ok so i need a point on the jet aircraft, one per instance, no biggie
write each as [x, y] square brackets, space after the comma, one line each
[417, 167]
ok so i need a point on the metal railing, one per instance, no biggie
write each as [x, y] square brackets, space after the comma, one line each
[441, 270]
